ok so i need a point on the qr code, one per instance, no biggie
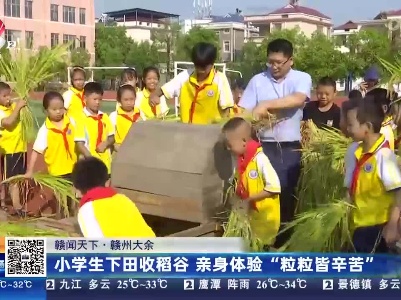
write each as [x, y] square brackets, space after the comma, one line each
[25, 257]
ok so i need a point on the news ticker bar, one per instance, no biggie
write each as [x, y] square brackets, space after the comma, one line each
[123, 288]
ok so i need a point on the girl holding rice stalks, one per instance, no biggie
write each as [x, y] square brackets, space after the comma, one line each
[12, 145]
[74, 101]
[373, 180]
[258, 184]
[151, 77]
[55, 141]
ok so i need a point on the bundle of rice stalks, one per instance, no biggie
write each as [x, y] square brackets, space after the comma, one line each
[26, 71]
[23, 229]
[61, 188]
[237, 224]
[323, 229]
[322, 176]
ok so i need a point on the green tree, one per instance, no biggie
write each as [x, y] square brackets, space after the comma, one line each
[80, 57]
[196, 35]
[320, 57]
[142, 55]
[366, 47]
[111, 47]
[166, 38]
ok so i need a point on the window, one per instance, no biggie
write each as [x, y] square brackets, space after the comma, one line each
[69, 14]
[319, 29]
[82, 42]
[67, 38]
[227, 30]
[226, 46]
[12, 35]
[284, 16]
[28, 39]
[54, 39]
[54, 12]
[12, 8]
[277, 26]
[28, 9]
[82, 16]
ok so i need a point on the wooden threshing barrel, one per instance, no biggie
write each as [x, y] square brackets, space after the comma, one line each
[175, 174]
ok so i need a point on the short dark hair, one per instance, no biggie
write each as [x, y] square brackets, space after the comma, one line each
[93, 88]
[238, 83]
[49, 96]
[281, 46]
[89, 173]
[327, 81]
[233, 124]
[369, 112]
[123, 88]
[382, 96]
[355, 94]
[4, 86]
[129, 74]
[204, 54]
[348, 105]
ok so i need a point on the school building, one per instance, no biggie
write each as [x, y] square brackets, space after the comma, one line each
[50, 22]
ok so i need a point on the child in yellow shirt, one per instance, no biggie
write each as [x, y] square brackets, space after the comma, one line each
[94, 133]
[237, 89]
[74, 101]
[373, 180]
[151, 77]
[12, 145]
[125, 115]
[104, 213]
[258, 183]
[55, 141]
[129, 77]
[383, 98]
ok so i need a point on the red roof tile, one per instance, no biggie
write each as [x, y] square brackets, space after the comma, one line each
[291, 9]
[347, 26]
[394, 13]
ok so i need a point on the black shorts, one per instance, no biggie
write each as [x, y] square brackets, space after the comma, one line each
[13, 164]
[369, 239]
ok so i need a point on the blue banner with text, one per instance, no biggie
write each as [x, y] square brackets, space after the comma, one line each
[223, 265]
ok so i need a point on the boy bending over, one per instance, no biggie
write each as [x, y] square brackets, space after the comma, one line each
[258, 183]
[104, 213]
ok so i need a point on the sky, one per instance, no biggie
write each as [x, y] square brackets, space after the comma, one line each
[339, 10]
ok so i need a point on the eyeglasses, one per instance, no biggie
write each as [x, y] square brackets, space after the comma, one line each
[277, 63]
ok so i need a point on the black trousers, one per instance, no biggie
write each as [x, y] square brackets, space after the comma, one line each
[369, 239]
[285, 158]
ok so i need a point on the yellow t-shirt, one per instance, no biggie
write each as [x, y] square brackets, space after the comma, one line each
[260, 175]
[92, 130]
[200, 102]
[58, 146]
[149, 112]
[122, 122]
[388, 131]
[74, 102]
[104, 213]
[371, 179]
[11, 140]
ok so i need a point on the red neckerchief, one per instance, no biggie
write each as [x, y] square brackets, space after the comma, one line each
[242, 163]
[198, 89]
[359, 164]
[235, 109]
[81, 97]
[132, 118]
[154, 110]
[97, 193]
[98, 118]
[64, 135]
